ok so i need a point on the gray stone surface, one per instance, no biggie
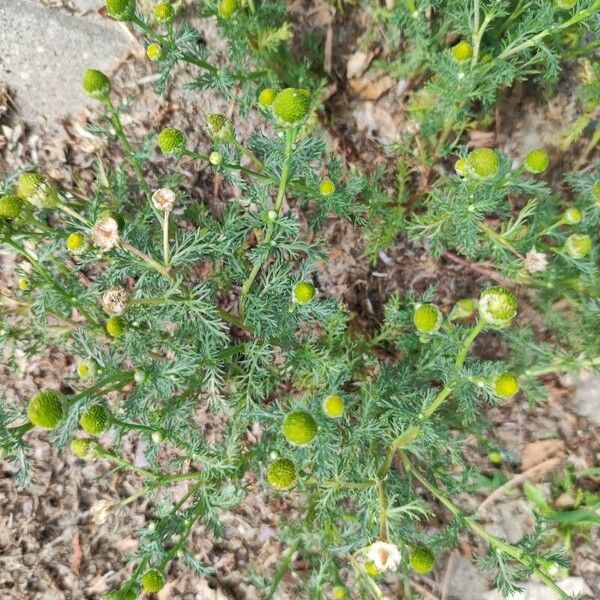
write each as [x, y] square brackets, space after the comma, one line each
[44, 52]
[466, 581]
[586, 400]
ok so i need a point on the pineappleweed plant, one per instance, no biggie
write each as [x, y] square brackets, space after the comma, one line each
[171, 310]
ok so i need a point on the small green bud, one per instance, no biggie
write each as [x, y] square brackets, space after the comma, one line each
[34, 188]
[464, 308]
[10, 207]
[497, 306]
[121, 10]
[282, 474]
[96, 84]
[154, 51]
[227, 8]
[153, 581]
[327, 187]
[537, 161]
[299, 428]
[482, 163]
[45, 409]
[266, 97]
[303, 292]
[572, 216]
[215, 158]
[219, 127]
[163, 12]
[171, 141]
[292, 104]
[427, 318]
[76, 242]
[462, 51]
[333, 406]
[115, 326]
[421, 560]
[461, 167]
[578, 245]
[95, 419]
[24, 283]
[495, 458]
[506, 385]
[81, 448]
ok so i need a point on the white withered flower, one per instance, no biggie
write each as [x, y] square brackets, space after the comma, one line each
[385, 556]
[535, 261]
[101, 511]
[114, 301]
[105, 234]
[164, 199]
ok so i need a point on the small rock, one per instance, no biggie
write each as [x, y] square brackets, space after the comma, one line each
[466, 581]
[586, 400]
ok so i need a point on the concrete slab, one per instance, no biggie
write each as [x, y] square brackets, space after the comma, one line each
[44, 52]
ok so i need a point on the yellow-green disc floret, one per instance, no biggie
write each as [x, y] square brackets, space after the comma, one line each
[462, 51]
[333, 406]
[154, 51]
[122, 10]
[327, 187]
[495, 458]
[45, 409]
[227, 8]
[29, 184]
[536, 161]
[282, 474]
[303, 292]
[76, 241]
[171, 140]
[299, 428]
[506, 385]
[82, 448]
[578, 245]
[95, 419]
[266, 97]
[427, 318]
[10, 207]
[292, 104]
[339, 592]
[115, 326]
[572, 216]
[371, 569]
[153, 581]
[461, 167]
[86, 368]
[24, 283]
[219, 127]
[421, 560]
[96, 84]
[482, 163]
[497, 306]
[163, 12]
[215, 158]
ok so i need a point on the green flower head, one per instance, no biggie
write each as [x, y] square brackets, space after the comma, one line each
[506, 385]
[299, 428]
[95, 419]
[45, 409]
[171, 141]
[10, 207]
[427, 318]
[462, 51]
[282, 474]
[292, 104]
[482, 163]
[153, 581]
[96, 84]
[497, 306]
[303, 292]
[421, 560]
[121, 10]
[537, 161]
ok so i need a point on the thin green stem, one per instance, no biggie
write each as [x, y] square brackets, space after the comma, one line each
[284, 565]
[165, 228]
[249, 154]
[494, 542]
[290, 138]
